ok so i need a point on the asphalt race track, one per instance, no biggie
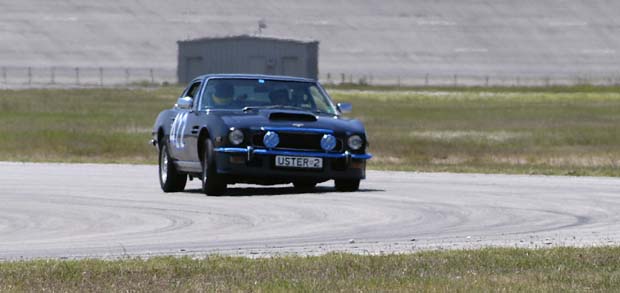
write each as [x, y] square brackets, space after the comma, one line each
[109, 211]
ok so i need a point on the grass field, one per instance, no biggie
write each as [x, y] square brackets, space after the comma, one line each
[568, 131]
[556, 270]
[89, 125]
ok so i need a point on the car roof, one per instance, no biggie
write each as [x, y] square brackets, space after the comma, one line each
[255, 76]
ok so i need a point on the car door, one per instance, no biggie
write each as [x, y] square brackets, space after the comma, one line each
[194, 121]
[179, 128]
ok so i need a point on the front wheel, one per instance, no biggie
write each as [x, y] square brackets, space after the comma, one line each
[347, 185]
[170, 179]
[212, 183]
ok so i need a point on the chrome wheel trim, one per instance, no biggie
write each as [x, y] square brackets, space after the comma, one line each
[205, 169]
[163, 165]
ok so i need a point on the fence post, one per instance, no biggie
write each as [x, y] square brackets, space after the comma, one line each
[152, 76]
[486, 81]
[342, 78]
[398, 81]
[126, 75]
[101, 76]
[456, 80]
[29, 75]
[53, 75]
[77, 76]
[426, 80]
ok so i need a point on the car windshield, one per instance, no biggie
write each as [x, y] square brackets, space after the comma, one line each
[264, 93]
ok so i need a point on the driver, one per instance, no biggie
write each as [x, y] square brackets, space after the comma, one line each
[224, 94]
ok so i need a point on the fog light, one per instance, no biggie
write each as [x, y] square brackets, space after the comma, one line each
[271, 139]
[328, 142]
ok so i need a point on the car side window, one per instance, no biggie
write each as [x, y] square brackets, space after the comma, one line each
[193, 90]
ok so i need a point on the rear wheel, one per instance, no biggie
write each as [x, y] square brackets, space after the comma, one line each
[212, 183]
[347, 185]
[170, 179]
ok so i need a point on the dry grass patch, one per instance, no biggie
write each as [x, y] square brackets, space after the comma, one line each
[456, 135]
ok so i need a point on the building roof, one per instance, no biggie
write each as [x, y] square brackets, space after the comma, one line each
[249, 37]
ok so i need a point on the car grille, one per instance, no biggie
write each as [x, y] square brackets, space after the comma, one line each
[297, 141]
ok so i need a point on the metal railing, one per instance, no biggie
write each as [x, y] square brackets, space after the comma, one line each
[12, 76]
[63, 76]
[464, 80]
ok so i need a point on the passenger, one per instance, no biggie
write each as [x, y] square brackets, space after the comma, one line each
[224, 94]
[301, 99]
[279, 97]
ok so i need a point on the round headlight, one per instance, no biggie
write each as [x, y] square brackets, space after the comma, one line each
[355, 142]
[271, 139]
[236, 137]
[328, 142]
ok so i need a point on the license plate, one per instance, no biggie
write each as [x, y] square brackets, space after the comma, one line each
[299, 162]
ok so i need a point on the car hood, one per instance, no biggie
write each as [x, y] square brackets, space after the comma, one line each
[289, 118]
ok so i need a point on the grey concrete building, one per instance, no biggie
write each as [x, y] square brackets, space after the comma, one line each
[247, 54]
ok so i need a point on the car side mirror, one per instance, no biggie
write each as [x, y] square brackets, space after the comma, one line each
[345, 107]
[185, 103]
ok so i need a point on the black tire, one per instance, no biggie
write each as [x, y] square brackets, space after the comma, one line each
[306, 186]
[212, 183]
[347, 185]
[170, 179]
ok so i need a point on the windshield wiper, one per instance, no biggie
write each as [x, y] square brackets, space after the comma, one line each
[251, 108]
[287, 107]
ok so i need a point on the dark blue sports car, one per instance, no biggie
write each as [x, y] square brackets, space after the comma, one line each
[230, 128]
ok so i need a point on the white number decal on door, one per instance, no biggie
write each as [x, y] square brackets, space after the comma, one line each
[177, 130]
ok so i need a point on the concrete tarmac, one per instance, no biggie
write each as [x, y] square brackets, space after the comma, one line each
[111, 211]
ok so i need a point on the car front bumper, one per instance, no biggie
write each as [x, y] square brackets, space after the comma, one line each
[260, 163]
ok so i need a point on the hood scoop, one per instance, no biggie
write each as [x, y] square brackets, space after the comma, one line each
[291, 116]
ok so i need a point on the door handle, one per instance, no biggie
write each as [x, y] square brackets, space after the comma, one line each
[195, 129]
